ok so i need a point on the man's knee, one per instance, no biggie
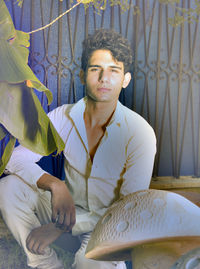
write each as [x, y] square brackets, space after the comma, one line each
[11, 189]
[8, 184]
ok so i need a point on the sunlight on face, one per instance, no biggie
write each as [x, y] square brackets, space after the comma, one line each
[105, 77]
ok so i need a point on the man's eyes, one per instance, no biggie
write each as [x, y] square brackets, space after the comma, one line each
[114, 70]
[95, 69]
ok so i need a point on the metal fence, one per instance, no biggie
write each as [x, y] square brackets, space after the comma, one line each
[165, 87]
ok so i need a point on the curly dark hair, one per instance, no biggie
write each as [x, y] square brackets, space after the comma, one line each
[108, 40]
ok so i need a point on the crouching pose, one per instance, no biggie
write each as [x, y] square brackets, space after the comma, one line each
[109, 152]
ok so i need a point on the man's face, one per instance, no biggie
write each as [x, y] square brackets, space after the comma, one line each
[104, 77]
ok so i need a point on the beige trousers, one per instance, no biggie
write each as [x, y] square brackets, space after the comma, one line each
[23, 209]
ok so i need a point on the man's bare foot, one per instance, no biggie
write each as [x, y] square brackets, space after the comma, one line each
[41, 237]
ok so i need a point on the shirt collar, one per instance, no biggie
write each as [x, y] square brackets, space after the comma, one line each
[117, 117]
[77, 110]
[77, 114]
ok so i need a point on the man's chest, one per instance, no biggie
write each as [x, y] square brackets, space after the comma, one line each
[109, 158]
[94, 136]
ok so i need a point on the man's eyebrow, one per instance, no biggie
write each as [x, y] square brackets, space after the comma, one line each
[116, 67]
[112, 66]
[93, 65]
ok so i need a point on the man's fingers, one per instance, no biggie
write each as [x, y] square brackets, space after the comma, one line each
[62, 222]
[28, 239]
[32, 247]
[40, 249]
[64, 218]
[29, 243]
[60, 219]
[69, 222]
[66, 222]
[54, 216]
[29, 246]
[72, 220]
[35, 247]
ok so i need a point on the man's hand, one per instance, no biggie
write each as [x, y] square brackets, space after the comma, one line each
[41, 237]
[63, 209]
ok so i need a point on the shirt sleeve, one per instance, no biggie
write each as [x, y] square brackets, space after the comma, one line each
[23, 162]
[140, 152]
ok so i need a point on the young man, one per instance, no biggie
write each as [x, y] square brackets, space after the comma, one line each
[109, 153]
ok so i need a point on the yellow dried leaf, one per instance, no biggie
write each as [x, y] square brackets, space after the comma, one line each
[29, 84]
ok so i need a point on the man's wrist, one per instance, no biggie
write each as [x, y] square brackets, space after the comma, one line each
[48, 182]
[56, 184]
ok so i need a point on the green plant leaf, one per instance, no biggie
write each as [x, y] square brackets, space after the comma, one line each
[21, 43]
[21, 114]
[7, 153]
[15, 68]
[7, 29]
[14, 54]
[3, 132]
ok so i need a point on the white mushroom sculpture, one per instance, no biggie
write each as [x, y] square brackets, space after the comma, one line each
[151, 227]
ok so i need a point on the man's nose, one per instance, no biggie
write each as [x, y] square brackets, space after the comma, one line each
[103, 75]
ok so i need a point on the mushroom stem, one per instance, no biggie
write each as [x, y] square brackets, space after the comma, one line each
[153, 257]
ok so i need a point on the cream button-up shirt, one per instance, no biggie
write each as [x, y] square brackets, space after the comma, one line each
[122, 164]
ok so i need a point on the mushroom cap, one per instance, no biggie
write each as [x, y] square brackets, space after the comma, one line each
[145, 218]
[190, 260]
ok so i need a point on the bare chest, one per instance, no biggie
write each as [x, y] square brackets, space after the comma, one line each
[94, 136]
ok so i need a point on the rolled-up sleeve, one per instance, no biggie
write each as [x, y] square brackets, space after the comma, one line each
[140, 152]
[23, 164]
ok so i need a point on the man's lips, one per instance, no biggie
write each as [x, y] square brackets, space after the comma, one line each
[103, 89]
